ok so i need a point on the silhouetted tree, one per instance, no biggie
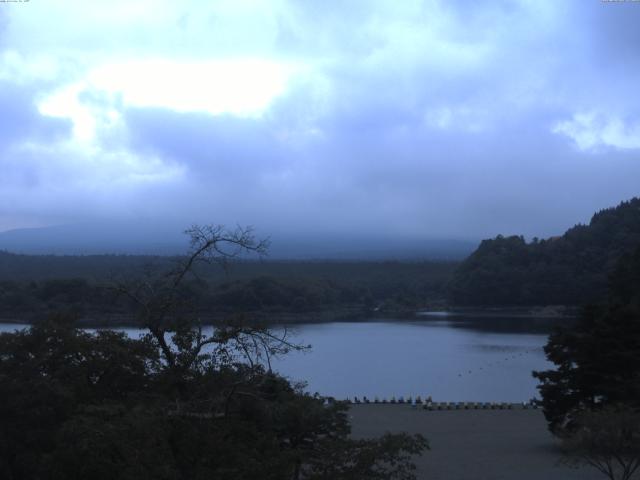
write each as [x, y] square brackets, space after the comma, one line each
[608, 440]
[177, 403]
[598, 360]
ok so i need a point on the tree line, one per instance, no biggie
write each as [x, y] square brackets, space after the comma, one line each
[264, 287]
[571, 269]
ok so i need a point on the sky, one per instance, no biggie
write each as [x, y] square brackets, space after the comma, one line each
[414, 119]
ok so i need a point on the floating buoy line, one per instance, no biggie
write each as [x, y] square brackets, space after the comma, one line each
[496, 362]
[429, 404]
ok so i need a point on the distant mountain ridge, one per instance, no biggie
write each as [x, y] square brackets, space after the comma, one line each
[94, 238]
[571, 269]
[152, 238]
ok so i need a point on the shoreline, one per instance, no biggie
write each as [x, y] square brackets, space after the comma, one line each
[339, 315]
[540, 312]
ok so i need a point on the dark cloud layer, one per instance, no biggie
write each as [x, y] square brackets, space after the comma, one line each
[400, 119]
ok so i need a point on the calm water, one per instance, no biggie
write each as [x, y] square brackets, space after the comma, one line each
[450, 359]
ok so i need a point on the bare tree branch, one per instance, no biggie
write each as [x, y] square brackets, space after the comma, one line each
[159, 303]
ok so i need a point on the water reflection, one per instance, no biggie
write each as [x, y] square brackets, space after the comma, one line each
[523, 325]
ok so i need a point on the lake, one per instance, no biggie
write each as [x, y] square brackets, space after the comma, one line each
[447, 358]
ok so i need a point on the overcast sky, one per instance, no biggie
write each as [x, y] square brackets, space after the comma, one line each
[446, 119]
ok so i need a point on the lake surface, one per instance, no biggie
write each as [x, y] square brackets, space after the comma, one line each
[450, 359]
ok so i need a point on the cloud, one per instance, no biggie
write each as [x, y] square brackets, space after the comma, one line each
[21, 120]
[226, 148]
[242, 87]
[416, 117]
[591, 132]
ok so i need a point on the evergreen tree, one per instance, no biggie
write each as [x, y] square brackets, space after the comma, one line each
[598, 360]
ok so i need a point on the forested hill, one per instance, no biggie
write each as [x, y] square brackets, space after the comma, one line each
[569, 270]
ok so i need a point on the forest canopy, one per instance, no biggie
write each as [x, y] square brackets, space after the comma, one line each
[568, 270]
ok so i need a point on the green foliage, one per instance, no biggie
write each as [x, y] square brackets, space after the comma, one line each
[567, 270]
[51, 371]
[77, 405]
[598, 360]
[625, 283]
[388, 458]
